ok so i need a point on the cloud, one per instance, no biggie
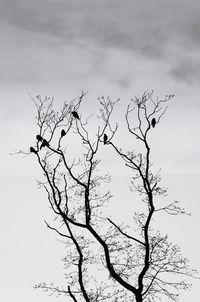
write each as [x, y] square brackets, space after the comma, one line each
[137, 25]
[186, 70]
[62, 39]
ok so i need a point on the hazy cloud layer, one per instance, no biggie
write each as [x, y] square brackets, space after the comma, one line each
[38, 36]
[187, 70]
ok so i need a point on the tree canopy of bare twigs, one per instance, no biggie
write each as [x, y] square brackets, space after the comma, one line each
[107, 260]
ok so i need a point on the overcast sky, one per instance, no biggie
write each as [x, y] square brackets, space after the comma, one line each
[109, 47]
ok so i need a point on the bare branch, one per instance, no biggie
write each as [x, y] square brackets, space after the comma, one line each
[75, 187]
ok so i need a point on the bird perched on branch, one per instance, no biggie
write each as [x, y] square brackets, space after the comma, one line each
[63, 132]
[44, 144]
[105, 138]
[33, 150]
[75, 114]
[39, 138]
[153, 122]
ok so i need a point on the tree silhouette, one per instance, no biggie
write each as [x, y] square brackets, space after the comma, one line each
[105, 259]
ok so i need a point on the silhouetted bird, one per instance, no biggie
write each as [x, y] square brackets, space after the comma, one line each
[105, 138]
[39, 138]
[75, 114]
[153, 122]
[33, 150]
[63, 133]
[44, 144]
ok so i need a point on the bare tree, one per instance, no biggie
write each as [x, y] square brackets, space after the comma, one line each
[104, 259]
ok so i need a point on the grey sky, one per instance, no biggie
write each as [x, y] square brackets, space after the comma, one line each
[109, 47]
[35, 33]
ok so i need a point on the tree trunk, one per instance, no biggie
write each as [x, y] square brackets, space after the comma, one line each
[139, 297]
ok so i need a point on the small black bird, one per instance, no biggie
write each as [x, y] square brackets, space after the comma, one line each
[44, 144]
[63, 132]
[33, 150]
[105, 138]
[39, 138]
[75, 114]
[153, 122]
